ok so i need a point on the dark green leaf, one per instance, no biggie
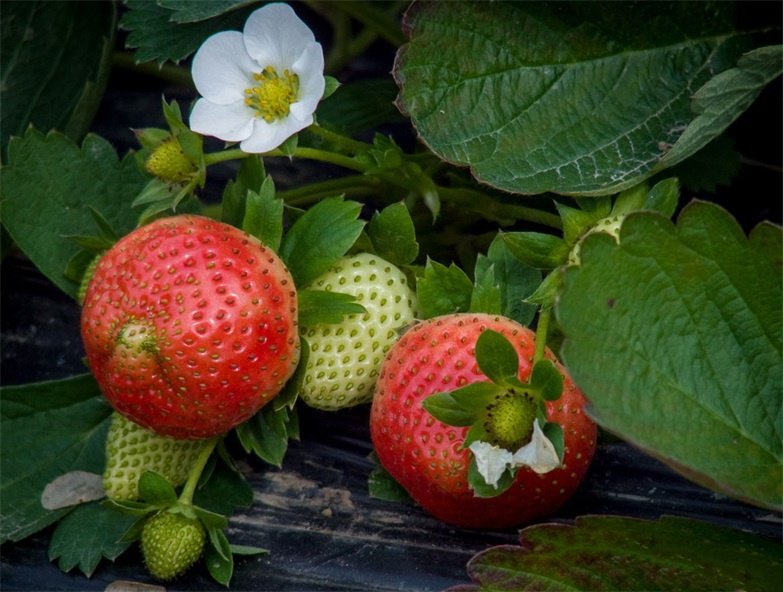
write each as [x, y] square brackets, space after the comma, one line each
[718, 163]
[86, 535]
[49, 187]
[443, 290]
[158, 37]
[536, 249]
[187, 11]
[616, 553]
[332, 84]
[676, 335]
[322, 307]
[724, 98]
[322, 235]
[767, 239]
[578, 98]
[49, 429]
[266, 434]
[393, 235]
[55, 58]
[496, 357]
[547, 380]
[264, 215]
[664, 197]
[155, 489]
[220, 543]
[360, 106]
[224, 492]
[546, 293]
[221, 568]
[517, 281]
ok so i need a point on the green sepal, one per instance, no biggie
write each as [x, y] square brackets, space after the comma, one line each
[131, 507]
[89, 243]
[537, 249]
[150, 137]
[247, 550]
[318, 307]
[664, 197]
[497, 358]
[290, 393]
[154, 191]
[155, 489]
[173, 115]
[219, 560]
[210, 520]
[381, 485]
[288, 148]
[547, 380]
[331, 84]
[546, 294]
[577, 221]
[630, 200]
[476, 433]
[464, 406]
[554, 433]
[481, 488]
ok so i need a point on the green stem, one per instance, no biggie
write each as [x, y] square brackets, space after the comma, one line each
[168, 72]
[385, 25]
[349, 185]
[542, 328]
[477, 201]
[342, 143]
[186, 497]
[224, 156]
[300, 152]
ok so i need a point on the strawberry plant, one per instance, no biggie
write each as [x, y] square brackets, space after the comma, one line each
[490, 243]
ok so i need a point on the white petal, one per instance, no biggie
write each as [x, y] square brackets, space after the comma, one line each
[231, 123]
[539, 454]
[275, 36]
[268, 136]
[310, 69]
[222, 70]
[491, 461]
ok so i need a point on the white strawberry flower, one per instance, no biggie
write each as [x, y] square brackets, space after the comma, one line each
[261, 86]
[539, 454]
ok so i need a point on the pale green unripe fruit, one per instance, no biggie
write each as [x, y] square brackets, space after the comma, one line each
[171, 544]
[131, 450]
[345, 357]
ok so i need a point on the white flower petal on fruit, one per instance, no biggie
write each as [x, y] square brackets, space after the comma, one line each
[539, 454]
[261, 86]
[491, 461]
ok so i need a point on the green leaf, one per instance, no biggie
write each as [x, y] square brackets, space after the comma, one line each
[330, 86]
[322, 235]
[210, 520]
[443, 290]
[49, 429]
[393, 235]
[155, 489]
[663, 197]
[322, 307]
[516, 280]
[219, 560]
[158, 37]
[547, 380]
[676, 335]
[266, 434]
[578, 220]
[247, 550]
[715, 164]
[50, 187]
[360, 106]
[616, 553]
[724, 98]
[224, 492]
[578, 98]
[496, 357]
[264, 215]
[88, 534]
[55, 58]
[767, 239]
[536, 249]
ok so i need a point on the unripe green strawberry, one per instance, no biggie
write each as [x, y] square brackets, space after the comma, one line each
[131, 450]
[345, 357]
[171, 543]
[609, 225]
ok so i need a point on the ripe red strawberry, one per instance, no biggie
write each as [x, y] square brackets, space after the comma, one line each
[190, 326]
[427, 457]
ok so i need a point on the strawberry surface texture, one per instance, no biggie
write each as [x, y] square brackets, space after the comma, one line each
[345, 357]
[427, 457]
[190, 326]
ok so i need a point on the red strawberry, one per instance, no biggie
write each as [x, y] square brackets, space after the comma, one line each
[427, 457]
[190, 326]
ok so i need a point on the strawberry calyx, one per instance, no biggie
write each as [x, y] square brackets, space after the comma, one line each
[507, 418]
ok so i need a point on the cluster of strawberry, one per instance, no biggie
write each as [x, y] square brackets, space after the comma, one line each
[191, 327]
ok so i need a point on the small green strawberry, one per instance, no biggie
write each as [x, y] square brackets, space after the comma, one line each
[345, 357]
[171, 543]
[131, 450]
[609, 225]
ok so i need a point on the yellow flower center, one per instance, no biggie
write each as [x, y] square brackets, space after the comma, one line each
[274, 93]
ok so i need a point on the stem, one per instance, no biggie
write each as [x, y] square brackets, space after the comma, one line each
[340, 142]
[168, 72]
[186, 497]
[349, 185]
[224, 156]
[383, 24]
[475, 200]
[541, 331]
[301, 152]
